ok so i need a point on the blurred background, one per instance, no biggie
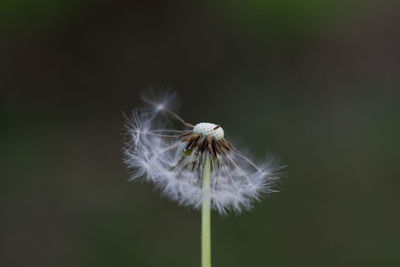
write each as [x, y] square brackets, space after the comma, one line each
[315, 81]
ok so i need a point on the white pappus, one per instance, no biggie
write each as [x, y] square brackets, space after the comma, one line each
[172, 159]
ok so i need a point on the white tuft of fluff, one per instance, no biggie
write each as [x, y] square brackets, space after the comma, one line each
[160, 101]
[153, 157]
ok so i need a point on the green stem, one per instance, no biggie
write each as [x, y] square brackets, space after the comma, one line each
[206, 216]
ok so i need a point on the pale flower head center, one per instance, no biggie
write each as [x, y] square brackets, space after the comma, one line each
[209, 129]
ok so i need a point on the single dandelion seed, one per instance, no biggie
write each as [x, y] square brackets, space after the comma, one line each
[195, 165]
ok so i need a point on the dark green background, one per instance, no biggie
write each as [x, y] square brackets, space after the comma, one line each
[315, 81]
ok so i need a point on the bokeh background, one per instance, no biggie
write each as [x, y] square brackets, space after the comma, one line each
[315, 81]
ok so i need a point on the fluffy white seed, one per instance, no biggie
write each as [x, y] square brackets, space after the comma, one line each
[155, 156]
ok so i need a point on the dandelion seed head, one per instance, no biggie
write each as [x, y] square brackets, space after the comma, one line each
[209, 129]
[172, 159]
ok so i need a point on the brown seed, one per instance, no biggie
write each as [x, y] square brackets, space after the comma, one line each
[204, 145]
[228, 143]
[224, 151]
[196, 139]
[218, 148]
[200, 142]
[193, 137]
[187, 138]
[209, 146]
[225, 145]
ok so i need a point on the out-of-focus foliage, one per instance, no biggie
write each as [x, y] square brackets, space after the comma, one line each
[37, 14]
[291, 16]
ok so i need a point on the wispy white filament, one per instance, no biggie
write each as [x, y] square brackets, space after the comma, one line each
[155, 154]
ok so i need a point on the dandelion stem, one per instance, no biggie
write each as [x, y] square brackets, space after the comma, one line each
[206, 215]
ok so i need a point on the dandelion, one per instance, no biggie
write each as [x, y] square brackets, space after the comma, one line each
[195, 165]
